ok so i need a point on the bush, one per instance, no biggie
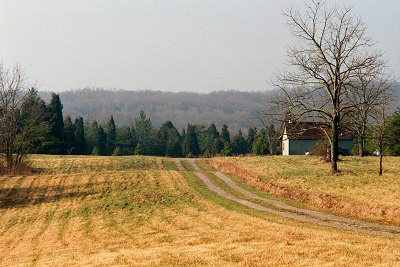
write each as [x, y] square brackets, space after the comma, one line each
[117, 151]
[96, 151]
[23, 168]
[138, 150]
[322, 149]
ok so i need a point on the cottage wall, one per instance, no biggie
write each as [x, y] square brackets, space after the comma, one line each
[301, 146]
[285, 144]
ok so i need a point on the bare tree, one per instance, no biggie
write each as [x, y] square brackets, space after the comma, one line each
[332, 50]
[11, 96]
[370, 93]
[378, 119]
[18, 128]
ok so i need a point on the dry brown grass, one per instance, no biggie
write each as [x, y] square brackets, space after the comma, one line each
[93, 213]
[356, 191]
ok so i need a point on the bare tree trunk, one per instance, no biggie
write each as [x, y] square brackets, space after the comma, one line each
[335, 143]
[361, 144]
[380, 159]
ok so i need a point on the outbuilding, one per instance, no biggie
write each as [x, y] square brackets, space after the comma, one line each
[300, 138]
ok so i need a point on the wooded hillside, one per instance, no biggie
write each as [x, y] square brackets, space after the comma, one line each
[237, 109]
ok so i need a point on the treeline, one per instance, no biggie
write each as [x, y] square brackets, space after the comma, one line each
[234, 108]
[65, 136]
[41, 128]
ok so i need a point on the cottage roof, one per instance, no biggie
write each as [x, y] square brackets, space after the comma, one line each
[309, 130]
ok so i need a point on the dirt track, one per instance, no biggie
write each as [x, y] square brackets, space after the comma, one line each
[287, 211]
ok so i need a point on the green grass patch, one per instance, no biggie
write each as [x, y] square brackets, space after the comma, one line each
[169, 165]
[187, 165]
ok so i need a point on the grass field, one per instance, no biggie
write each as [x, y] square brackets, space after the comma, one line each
[141, 211]
[356, 191]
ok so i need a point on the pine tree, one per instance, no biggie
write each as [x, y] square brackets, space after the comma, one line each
[69, 135]
[251, 137]
[239, 144]
[33, 126]
[211, 134]
[191, 144]
[124, 140]
[91, 136]
[225, 136]
[102, 141]
[56, 122]
[111, 136]
[260, 145]
[170, 140]
[392, 140]
[217, 146]
[80, 141]
[227, 151]
[147, 136]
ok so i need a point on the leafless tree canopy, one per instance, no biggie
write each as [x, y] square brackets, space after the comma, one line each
[12, 93]
[332, 51]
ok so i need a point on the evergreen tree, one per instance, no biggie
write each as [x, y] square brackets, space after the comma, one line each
[202, 137]
[225, 136]
[251, 136]
[239, 144]
[260, 145]
[227, 151]
[80, 141]
[146, 135]
[191, 145]
[392, 140]
[111, 136]
[102, 141]
[91, 136]
[170, 140]
[211, 134]
[212, 131]
[124, 140]
[33, 118]
[217, 146]
[69, 135]
[55, 118]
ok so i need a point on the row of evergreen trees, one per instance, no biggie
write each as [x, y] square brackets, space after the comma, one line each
[142, 138]
[65, 136]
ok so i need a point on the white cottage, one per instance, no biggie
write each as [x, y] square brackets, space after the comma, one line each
[299, 138]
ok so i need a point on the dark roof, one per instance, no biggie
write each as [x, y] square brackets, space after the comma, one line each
[310, 130]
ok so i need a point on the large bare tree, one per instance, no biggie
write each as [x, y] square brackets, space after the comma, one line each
[332, 49]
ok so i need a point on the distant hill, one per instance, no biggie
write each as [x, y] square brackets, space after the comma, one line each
[237, 109]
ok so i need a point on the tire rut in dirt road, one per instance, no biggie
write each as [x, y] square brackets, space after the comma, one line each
[178, 164]
[287, 211]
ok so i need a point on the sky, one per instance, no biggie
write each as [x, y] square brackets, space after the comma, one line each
[167, 45]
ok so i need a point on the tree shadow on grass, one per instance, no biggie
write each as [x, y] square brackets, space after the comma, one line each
[24, 197]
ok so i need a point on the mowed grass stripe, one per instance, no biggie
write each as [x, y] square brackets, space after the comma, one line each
[24, 223]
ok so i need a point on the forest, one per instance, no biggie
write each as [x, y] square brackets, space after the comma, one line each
[63, 135]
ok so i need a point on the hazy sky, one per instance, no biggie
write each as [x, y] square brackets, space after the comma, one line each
[169, 45]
